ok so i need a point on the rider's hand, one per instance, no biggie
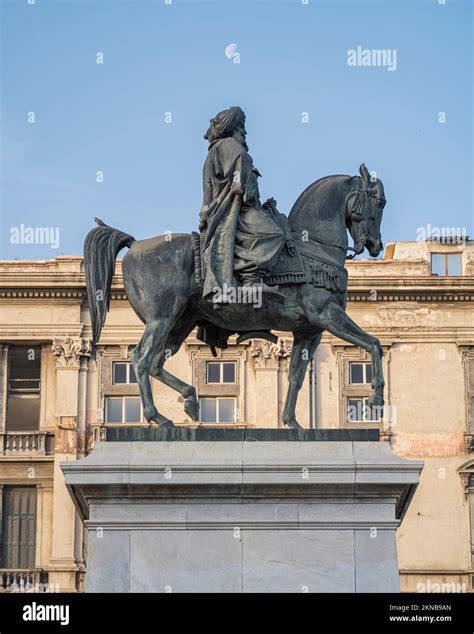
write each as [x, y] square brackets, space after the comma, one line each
[270, 204]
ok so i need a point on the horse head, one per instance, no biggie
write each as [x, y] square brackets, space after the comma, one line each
[364, 210]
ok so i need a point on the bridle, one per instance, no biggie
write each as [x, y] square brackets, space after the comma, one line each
[359, 202]
[355, 211]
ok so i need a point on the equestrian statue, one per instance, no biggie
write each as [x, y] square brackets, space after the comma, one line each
[248, 271]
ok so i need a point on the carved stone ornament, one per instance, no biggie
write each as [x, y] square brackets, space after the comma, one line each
[267, 354]
[466, 471]
[70, 352]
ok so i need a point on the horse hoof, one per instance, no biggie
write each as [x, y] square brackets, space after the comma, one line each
[191, 407]
[292, 424]
[160, 422]
[167, 424]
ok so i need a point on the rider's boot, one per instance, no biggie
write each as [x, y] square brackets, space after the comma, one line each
[272, 292]
[268, 292]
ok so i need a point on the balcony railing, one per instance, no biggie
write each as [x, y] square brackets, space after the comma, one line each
[26, 443]
[21, 580]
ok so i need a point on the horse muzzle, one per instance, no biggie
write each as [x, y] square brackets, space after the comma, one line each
[373, 246]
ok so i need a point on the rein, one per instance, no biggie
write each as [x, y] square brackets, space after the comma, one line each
[329, 244]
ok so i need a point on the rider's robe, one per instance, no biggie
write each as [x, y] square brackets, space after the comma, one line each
[241, 238]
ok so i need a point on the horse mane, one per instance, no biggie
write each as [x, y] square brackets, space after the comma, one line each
[310, 189]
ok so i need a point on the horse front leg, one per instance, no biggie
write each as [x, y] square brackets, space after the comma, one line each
[336, 321]
[302, 352]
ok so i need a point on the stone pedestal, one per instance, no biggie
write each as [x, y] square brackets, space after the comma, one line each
[243, 511]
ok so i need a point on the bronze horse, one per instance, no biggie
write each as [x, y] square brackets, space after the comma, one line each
[161, 285]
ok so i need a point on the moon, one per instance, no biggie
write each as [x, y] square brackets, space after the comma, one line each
[230, 50]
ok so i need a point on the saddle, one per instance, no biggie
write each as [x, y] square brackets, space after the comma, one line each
[319, 270]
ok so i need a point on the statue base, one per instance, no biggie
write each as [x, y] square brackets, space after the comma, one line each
[241, 515]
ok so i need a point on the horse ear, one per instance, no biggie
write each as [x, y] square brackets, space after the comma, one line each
[364, 172]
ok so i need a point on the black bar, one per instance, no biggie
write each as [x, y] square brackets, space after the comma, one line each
[220, 613]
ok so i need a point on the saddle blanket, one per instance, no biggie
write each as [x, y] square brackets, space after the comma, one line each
[303, 267]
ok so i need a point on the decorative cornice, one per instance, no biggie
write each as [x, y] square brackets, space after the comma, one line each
[36, 293]
[70, 352]
[392, 281]
[365, 294]
[266, 354]
[409, 296]
[40, 332]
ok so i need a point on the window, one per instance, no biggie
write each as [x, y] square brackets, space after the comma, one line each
[123, 409]
[360, 373]
[220, 372]
[356, 390]
[23, 405]
[217, 410]
[359, 411]
[123, 373]
[18, 528]
[445, 264]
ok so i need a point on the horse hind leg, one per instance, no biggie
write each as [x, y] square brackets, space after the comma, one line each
[302, 352]
[143, 357]
[173, 344]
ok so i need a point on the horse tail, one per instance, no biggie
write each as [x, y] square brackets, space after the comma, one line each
[101, 247]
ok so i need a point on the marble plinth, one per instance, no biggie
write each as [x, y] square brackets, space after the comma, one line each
[241, 515]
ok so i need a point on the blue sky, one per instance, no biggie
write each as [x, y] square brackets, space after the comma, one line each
[162, 58]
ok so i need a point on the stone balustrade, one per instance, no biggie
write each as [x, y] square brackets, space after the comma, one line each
[25, 443]
[23, 580]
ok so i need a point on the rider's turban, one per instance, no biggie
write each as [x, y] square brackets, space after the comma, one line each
[224, 123]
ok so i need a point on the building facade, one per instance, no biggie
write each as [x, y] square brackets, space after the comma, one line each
[57, 395]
